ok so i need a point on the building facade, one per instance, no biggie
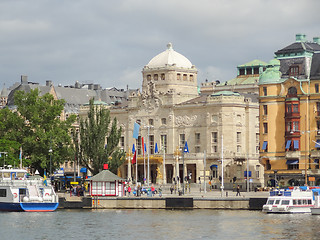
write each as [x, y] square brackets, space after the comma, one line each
[290, 114]
[221, 130]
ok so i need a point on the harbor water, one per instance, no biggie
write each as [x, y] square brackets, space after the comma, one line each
[157, 224]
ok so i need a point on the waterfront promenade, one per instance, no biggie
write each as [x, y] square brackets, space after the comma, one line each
[193, 199]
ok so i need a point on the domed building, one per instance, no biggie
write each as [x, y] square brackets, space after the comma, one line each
[173, 117]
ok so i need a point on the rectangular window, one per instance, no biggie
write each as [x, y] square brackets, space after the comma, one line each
[265, 93]
[163, 121]
[163, 76]
[295, 108]
[197, 138]
[151, 144]
[214, 137]
[191, 78]
[295, 126]
[197, 149]
[316, 86]
[294, 71]
[164, 142]
[139, 145]
[3, 193]
[265, 127]
[150, 122]
[257, 171]
[182, 140]
[238, 148]
[179, 76]
[238, 137]
[214, 148]
[265, 110]
[122, 143]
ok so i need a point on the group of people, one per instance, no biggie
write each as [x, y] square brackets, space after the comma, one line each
[139, 190]
[77, 190]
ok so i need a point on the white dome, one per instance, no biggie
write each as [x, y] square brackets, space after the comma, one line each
[169, 57]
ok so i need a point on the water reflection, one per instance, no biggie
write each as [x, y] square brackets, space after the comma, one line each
[157, 224]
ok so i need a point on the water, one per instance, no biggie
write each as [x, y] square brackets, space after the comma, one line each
[157, 224]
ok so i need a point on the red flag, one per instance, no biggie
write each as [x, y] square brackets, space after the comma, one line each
[134, 159]
[142, 145]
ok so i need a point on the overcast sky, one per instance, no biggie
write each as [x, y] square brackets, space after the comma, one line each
[109, 42]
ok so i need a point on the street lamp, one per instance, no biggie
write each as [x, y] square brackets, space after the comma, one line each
[275, 178]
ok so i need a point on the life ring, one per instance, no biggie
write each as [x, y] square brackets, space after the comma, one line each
[47, 194]
[15, 195]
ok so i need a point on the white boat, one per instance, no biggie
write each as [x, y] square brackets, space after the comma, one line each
[291, 200]
[316, 209]
[20, 193]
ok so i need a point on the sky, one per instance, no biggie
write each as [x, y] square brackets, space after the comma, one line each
[109, 42]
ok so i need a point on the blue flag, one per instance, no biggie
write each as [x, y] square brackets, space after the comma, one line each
[156, 148]
[133, 148]
[145, 148]
[186, 149]
[136, 130]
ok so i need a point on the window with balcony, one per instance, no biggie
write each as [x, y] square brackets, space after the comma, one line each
[293, 164]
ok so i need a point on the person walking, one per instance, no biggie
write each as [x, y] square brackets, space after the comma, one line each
[129, 190]
[238, 190]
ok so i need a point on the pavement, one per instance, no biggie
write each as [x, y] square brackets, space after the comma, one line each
[193, 192]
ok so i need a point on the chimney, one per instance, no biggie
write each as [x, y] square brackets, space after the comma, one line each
[48, 83]
[316, 40]
[300, 37]
[24, 79]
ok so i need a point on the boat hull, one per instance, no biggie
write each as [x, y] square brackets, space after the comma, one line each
[315, 211]
[28, 207]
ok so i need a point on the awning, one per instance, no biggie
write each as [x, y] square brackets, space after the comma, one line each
[317, 144]
[292, 162]
[296, 144]
[264, 146]
[288, 144]
[84, 170]
[213, 166]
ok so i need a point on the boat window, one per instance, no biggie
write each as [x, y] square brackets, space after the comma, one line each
[304, 201]
[309, 201]
[277, 201]
[22, 191]
[270, 202]
[6, 175]
[285, 202]
[3, 193]
[294, 202]
[299, 202]
[20, 175]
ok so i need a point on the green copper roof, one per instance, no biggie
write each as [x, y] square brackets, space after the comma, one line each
[272, 73]
[253, 63]
[225, 93]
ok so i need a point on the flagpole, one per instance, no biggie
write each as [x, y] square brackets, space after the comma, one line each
[136, 166]
[148, 173]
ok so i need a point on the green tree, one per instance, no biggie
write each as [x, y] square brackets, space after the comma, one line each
[94, 131]
[36, 125]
